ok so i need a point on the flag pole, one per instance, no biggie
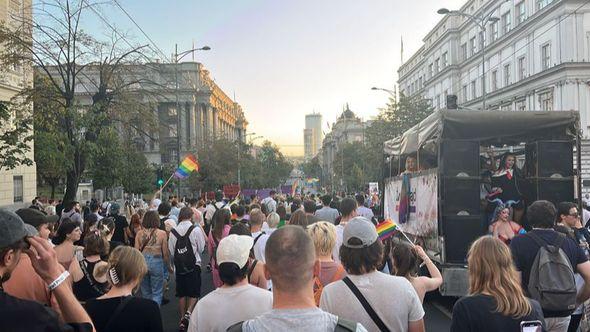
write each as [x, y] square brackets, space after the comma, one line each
[165, 184]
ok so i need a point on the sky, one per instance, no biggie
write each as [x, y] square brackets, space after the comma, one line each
[286, 58]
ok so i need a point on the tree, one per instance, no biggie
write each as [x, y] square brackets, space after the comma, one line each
[312, 168]
[62, 54]
[349, 166]
[15, 138]
[393, 120]
[50, 158]
[275, 167]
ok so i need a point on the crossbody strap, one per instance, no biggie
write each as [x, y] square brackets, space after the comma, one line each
[117, 312]
[376, 319]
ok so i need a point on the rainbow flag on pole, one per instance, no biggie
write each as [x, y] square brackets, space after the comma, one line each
[186, 167]
[385, 229]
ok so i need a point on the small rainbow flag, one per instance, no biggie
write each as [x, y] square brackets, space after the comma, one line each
[188, 165]
[385, 229]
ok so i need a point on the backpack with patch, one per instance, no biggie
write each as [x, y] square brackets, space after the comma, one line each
[318, 287]
[551, 281]
[184, 257]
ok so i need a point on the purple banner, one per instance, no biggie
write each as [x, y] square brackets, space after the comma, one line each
[248, 192]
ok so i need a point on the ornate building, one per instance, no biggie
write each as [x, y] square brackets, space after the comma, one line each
[18, 186]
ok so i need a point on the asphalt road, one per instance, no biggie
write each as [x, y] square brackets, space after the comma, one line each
[437, 317]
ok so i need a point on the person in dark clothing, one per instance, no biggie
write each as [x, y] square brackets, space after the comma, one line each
[541, 215]
[118, 310]
[496, 302]
[122, 231]
[89, 274]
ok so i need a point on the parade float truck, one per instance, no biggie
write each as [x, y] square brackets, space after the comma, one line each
[442, 204]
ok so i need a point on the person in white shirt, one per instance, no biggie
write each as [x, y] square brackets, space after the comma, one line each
[362, 210]
[236, 300]
[271, 223]
[348, 210]
[188, 278]
[210, 209]
[260, 237]
[270, 203]
[392, 299]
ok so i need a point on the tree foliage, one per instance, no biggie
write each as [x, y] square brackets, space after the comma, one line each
[15, 137]
[312, 168]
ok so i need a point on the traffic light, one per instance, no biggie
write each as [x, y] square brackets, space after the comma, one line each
[159, 177]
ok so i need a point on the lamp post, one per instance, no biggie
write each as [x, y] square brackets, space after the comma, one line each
[239, 160]
[481, 22]
[177, 58]
[391, 92]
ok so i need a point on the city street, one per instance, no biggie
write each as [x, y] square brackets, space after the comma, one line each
[437, 317]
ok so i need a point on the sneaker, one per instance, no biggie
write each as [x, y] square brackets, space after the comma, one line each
[183, 326]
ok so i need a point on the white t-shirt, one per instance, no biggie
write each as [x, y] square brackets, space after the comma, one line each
[393, 299]
[210, 210]
[197, 239]
[336, 250]
[224, 307]
[260, 245]
[362, 211]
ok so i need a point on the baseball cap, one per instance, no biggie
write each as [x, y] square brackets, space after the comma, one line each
[35, 217]
[234, 249]
[12, 228]
[362, 229]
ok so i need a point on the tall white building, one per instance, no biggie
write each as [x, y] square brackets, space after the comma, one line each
[537, 57]
[312, 135]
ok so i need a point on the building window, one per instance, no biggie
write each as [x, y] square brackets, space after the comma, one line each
[464, 93]
[546, 101]
[472, 46]
[494, 31]
[464, 51]
[473, 90]
[17, 191]
[430, 74]
[521, 68]
[545, 56]
[506, 23]
[543, 3]
[436, 65]
[520, 12]
[520, 105]
[444, 60]
[438, 101]
[494, 85]
[420, 82]
[507, 80]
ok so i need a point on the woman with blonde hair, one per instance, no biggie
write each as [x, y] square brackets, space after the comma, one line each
[118, 309]
[323, 234]
[496, 301]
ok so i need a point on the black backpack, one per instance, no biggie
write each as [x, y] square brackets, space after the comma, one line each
[184, 257]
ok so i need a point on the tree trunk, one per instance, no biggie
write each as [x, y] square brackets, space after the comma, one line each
[52, 184]
[72, 181]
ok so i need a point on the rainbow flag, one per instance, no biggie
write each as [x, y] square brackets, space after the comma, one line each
[385, 229]
[186, 167]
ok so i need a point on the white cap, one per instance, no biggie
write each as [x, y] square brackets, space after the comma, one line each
[234, 249]
[156, 203]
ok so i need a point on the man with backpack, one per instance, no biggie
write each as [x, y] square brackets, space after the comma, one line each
[212, 208]
[547, 261]
[186, 242]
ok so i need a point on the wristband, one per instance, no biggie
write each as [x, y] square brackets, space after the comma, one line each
[55, 283]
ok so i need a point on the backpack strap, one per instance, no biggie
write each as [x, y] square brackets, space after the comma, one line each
[370, 311]
[343, 325]
[146, 241]
[237, 327]
[258, 237]
[251, 268]
[540, 242]
[117, 312]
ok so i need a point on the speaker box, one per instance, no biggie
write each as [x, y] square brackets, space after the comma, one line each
[460, 158]
[549, 159]
[461, 196]
[459, 233]
[553, 190]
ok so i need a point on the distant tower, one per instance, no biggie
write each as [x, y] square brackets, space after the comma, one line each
[312, 135]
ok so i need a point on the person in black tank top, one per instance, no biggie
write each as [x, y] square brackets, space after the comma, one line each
[89, 273]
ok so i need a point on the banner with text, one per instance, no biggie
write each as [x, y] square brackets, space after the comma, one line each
[416, 198]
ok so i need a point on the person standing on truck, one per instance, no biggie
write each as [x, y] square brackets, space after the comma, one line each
[559, 302]
[505, 184]
[411, 164]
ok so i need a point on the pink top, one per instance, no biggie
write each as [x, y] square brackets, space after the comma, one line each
[210, 244]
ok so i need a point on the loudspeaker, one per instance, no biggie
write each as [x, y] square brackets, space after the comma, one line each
[553, 190]
[461, 196]
[460, 158]
[452, 102]
[549, 159]
[459, 232]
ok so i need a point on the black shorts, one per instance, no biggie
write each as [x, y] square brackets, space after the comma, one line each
[189, 285]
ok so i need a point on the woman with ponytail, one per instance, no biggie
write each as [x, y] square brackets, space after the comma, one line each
[89, 272]
[496, 301]
[118, 309]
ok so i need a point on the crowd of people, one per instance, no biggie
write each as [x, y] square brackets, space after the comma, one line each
[313, 263]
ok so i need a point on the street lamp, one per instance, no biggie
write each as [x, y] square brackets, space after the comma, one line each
[177, 58]
[481, 22]
[391, 92]
[239, 148]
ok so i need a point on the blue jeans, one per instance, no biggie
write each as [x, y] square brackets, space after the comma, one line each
[153, 282]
